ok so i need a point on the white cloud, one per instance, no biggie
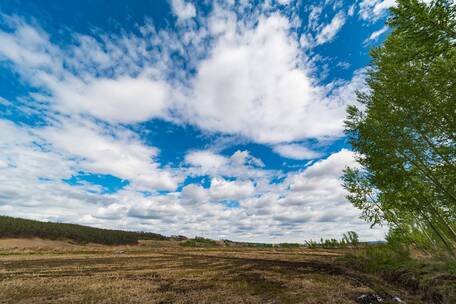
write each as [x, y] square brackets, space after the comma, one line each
[329, 31]
[314, 15]
[194, 194]
[333, 165]
[57, 152]
[351, 10]
[183, 10]
[5, 102]
[230, 190]
[311, 198]
[125, 100]
[284, 2]
[255, 83]
[31, 183]
[240, 165]
[375, 35]
[244, 158]
[157, 208]
[27, 46]
[308, 204]
[121, 155]
[345, 92]
[296, 151]
[322, 178]
[206, 160]
[114, 211]
[372, 10]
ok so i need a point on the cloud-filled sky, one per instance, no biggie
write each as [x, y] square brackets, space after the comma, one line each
[221, 119]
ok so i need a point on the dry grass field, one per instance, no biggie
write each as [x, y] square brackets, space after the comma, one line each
[38, 271]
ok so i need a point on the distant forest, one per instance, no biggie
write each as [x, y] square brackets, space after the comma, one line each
[11, 227]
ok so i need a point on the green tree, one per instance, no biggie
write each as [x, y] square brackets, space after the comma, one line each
[351, 237]
[404, 127]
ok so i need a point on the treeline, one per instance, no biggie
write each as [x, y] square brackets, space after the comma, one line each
[246, 244]
[11, 227]
[404, 131]
[349, 239]
[199, 242]
[205, 242]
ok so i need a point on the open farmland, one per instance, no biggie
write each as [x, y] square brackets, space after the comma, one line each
[164, 272]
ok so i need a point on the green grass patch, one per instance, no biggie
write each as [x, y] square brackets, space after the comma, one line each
[434, 279]
[199, 242]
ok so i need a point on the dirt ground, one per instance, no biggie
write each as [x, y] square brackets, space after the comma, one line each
[163, 272]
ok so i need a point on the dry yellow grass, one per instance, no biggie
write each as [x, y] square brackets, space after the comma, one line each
[162, 272]
[35, 243]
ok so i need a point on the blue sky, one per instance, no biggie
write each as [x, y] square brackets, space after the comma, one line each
[215, 118]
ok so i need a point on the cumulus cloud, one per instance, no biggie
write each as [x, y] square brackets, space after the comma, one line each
[296, 151]
[206, 160]
[303, 199]
[31, 178]
[322, 175]
[240, 164]
[255, 83]
[230, 190]
[183, 9]
[156, 208]
[306, 204]
[121, 155]
[284, 2]
[194, 194]
[245, 158]
[114, 211]
[124, 100]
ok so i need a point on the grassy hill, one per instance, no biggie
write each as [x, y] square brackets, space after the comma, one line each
[11, 227]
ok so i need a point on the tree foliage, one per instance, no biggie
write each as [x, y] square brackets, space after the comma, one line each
[350, 238]
[404, 128]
